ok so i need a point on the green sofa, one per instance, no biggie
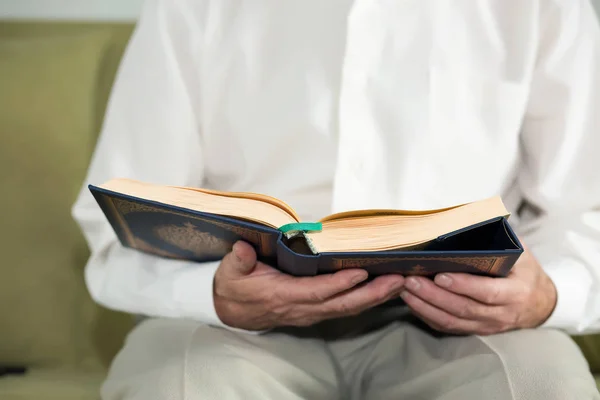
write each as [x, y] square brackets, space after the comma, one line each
[55, 79]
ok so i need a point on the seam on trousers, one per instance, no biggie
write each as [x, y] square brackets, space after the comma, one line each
[504, 368]
[186, 351]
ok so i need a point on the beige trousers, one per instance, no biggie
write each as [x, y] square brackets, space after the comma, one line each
[176, 360]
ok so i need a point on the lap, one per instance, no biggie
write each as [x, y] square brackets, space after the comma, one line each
[174, 359]
[407, 360]
[543, 361]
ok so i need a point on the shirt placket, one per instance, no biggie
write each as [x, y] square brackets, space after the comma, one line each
[356, 125]
[384, 104]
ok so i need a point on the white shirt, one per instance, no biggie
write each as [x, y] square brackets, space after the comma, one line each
[348, 104]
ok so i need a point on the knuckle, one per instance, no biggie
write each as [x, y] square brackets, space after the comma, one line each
[505, 321]
[449, 323]
[221, 287]
[309, 318]
[497, 328]
[277, 296]
[381, 294]
[336, 281]
[355, 311]
[269, 299]
[340, 309]
[514, 321]
[434, 325]
[221, 291]
[344, 308]
[279, 311]
[316, 297]
[484, 331]
[304, 322]
[470, 309]
[492, 295]
[465, 311]
[478, 311]
[329, 310]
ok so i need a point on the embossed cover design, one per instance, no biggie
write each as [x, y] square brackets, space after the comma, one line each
[490, 248]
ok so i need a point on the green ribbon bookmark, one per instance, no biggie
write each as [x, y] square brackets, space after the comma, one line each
[302, 226]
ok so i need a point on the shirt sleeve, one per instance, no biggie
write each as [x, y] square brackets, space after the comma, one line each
[560, 176]
[151, 133]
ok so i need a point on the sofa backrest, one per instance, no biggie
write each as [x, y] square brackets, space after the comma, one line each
[55, 80]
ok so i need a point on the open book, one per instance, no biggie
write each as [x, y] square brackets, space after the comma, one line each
[202, 225]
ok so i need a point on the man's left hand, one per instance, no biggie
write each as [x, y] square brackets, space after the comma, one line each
[469, 304]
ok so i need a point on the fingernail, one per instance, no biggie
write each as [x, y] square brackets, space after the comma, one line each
[413, 284]
[404, 294]
[359, 278]
[443, 280]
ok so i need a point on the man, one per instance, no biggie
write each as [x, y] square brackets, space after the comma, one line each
[349, 104]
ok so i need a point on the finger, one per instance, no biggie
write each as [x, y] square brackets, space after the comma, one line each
[376, 292]
[484, 289]
[430, 323]
[440, 319]
[241, 260]
[317, 289]
[482, 331]
[455, 304]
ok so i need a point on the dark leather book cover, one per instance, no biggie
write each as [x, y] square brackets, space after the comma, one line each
[179, 233]
[489, 248]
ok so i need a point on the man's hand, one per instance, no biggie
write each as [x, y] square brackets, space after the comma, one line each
[468, 304]
[251, 295]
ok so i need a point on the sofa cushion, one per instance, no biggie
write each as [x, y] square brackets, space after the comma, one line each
[52, 384]
[590, 345]
[47, 133]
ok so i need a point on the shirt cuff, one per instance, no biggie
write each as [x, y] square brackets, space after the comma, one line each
[193, 293]
[573, 283]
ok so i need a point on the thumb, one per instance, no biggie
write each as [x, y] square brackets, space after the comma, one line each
[242, 259]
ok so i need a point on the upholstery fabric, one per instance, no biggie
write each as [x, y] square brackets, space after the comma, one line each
[59, 384]
[54, 86]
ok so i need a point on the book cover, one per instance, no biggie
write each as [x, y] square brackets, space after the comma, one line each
[489, 248]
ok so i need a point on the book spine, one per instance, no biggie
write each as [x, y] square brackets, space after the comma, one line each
[114, 218]
[294, 263]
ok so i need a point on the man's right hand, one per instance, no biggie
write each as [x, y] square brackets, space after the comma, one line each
[253, 296]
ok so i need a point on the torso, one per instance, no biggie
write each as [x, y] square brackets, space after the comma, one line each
[346, 104]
